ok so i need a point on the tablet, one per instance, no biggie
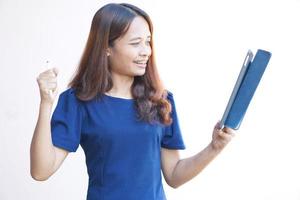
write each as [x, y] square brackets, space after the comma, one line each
[251, 72]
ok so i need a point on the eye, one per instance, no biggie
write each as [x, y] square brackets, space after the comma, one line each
[135, 43]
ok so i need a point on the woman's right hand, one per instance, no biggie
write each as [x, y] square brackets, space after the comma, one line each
[47, 82]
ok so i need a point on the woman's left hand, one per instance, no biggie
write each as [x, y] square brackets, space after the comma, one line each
[221, 137]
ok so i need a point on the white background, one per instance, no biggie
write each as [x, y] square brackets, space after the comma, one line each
[200, 46]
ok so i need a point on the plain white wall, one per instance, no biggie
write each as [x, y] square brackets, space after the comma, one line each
[200, 47]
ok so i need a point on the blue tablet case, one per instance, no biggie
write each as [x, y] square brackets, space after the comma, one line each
[244, 89]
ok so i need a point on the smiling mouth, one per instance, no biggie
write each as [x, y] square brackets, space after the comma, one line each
[142, 64]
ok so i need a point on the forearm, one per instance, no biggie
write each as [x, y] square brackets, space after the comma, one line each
[188, 168]
[42, 153]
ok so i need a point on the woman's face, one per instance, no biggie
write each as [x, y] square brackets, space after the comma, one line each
[130, 53]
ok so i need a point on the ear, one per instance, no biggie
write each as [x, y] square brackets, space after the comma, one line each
[108, 51]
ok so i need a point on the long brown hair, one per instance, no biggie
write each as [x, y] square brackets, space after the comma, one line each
[93, 77]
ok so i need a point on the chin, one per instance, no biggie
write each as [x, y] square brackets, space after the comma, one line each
[140, 73]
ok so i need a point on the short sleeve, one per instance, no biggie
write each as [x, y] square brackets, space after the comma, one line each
[172, 138]
[66, 122]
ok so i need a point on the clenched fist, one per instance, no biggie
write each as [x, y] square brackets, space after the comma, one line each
[47, 81]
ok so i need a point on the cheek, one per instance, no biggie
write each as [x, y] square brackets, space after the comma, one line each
[128, 58]
[131, 54]
[123, 62]
[128, 54]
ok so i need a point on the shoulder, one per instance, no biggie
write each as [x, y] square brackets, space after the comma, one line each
[169, 95]
[68, 101]
[68, 96]
[69, 93]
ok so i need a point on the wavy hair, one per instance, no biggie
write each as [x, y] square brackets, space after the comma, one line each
[93, 77]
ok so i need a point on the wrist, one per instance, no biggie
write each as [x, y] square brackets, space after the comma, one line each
[45, 105]
[213, 148]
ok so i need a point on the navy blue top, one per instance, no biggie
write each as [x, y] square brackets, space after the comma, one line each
[122, 153]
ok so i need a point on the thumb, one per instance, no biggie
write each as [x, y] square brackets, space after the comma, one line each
[55, 70]
[217, 125]
[55, 92]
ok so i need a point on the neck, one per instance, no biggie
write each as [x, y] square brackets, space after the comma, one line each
[121, 86]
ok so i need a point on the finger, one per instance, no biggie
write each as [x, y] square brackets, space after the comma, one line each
[50, 92]
[228, 130]
[225, 135]
[46, 86]
[51, 82]
[51, 85]
[55, 71]
[48, 74]
[218, 133]
[46, 80]
[55, 90]
[47, 77]
[45, 72]
[217, 126]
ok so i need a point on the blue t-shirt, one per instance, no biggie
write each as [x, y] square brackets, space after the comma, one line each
[122, 153]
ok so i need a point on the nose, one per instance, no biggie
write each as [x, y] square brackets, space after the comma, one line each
[145, 51]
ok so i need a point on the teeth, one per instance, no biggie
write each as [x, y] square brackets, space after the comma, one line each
[140, 62]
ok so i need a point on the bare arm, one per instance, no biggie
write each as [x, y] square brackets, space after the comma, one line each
[43, 161]
[45, 158]
[177, 171]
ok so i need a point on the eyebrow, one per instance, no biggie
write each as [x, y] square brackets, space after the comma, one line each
[138, 38]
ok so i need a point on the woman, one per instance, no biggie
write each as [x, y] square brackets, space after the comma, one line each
[118, 110]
